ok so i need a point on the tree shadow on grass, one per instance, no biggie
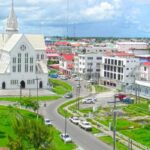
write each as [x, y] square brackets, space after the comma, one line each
[2, 134]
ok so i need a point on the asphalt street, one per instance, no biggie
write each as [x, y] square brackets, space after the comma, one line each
[85, 140]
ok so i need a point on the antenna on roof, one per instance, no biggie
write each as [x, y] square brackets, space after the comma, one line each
[67, 19]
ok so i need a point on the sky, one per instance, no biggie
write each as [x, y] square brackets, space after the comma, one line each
[92, 18]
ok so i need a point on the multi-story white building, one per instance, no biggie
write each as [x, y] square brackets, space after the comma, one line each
[88, 65]
[126, 46]
[118, 69]
[22, 58]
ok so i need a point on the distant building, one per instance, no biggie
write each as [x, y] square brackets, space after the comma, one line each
[22, 58]
[131, 46]
[88, 65]
[66, 64]
[118, 69]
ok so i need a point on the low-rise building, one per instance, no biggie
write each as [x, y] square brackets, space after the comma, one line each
[126, 46]
[66, 64]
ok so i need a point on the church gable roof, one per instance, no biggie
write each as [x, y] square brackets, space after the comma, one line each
[12, 41]
[37, 41]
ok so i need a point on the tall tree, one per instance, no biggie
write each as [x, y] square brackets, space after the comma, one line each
[31, 134]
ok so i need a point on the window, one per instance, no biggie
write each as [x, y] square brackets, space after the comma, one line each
[115, 62]
[14, 60]
[90, 58]
[104, 74]
[98, 58]
[89, 64]
[31, 60]
[26, 57]
[31, 68]
[19, 58]
[42, 56]
[114, 76]
[114, 69]
[14, 68]
[26, 67]
[19, 67]
[127, 69]
[89, 70]
[108, 61]
[112, 61]
[145, 68]
[104, 67]
[105, 61]
[37, 56]
[97, 70]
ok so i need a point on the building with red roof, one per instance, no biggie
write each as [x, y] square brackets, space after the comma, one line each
[66, 63]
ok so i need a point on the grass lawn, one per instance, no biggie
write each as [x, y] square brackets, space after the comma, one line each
[60, 87]
[99, 89]
[62, 111]
[141, 135]
[86, 110]
[109, 141]
[60, 145]
[7, 115]
[137, 109]
[40, 98]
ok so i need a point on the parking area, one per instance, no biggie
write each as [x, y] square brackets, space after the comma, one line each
[25, 92]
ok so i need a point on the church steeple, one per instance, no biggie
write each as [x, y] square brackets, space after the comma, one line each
[12, 24]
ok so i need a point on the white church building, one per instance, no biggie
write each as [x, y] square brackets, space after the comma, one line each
[22, 58]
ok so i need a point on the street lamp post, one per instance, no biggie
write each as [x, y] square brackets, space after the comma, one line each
[114, 124]
[20, 91]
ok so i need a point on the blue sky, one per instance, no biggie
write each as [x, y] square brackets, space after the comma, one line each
[117, 18]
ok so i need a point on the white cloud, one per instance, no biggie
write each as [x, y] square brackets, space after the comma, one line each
[103, 11]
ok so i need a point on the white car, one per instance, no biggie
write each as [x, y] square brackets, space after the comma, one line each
[89, 101]
[65, 137]
[78, 79]
[75, 120]
[85, 125]
[48, 122]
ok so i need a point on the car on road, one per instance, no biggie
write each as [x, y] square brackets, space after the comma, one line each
[91, 81]
[74, 120]
[85, 125]
[78, 79]
[65, 137]
[69, 95]
[47, 122]
[89, 101]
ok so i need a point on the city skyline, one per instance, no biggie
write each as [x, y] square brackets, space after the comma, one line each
[102, 18]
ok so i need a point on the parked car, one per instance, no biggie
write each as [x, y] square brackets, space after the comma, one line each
[48, 122]
[74, 120]
[69, 95]
[63, 77]
[65, 137]
[89, 100]
[85, 125]
[120, 96]
[78, 79]
[55, 75]
[128, 100]
[91, 81]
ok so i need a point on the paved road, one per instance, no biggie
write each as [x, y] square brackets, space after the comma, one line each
[83, 139]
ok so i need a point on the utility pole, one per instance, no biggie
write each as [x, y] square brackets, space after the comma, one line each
[37, 81]
[65, 122]
[114, 124]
